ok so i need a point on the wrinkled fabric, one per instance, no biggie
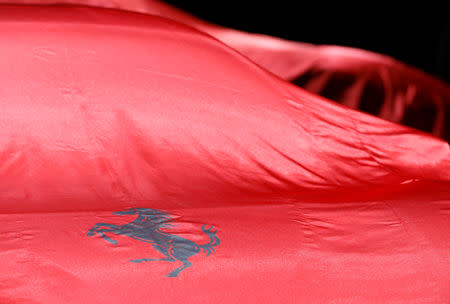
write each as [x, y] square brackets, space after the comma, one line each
[105, 111]
[379, 85]
[359, 79]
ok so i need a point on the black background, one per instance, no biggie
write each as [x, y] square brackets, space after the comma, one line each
[416, 35]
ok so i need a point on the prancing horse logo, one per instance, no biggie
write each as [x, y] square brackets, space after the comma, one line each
[147, 228]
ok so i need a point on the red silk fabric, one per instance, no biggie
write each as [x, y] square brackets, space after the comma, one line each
[105, 110]
[359, 79]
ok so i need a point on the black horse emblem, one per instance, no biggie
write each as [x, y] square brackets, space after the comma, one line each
[147, 228]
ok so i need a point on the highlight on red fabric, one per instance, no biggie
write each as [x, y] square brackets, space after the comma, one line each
[362, 80]
[379, 85]
[359, 79]
[144, 161]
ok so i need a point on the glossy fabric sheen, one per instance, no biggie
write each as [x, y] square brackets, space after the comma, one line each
[359, 79]
[105, 110]
[363, 80]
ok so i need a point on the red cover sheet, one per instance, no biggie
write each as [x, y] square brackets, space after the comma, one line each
[143, 161]
[362, 80]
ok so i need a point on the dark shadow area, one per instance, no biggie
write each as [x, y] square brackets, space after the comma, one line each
[418, 36]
